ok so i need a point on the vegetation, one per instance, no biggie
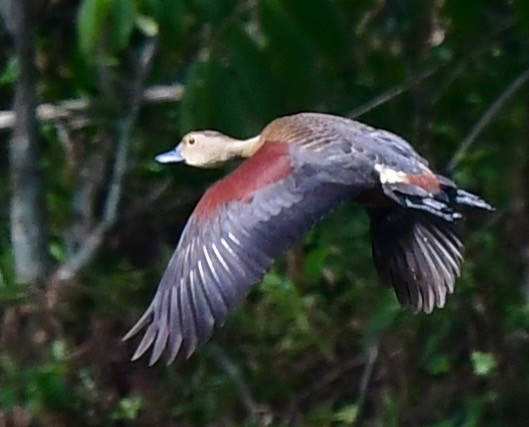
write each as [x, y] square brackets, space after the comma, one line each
[320, 341]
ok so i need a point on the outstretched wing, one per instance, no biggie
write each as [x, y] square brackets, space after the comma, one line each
[241, 225]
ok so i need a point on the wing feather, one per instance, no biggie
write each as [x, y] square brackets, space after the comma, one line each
[163, 331]
[217, 261]
[217, 303]
[419, 252]
[204, 320]
[176, 338]
[187, 321]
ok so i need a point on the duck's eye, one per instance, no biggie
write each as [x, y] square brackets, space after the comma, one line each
[191, 141]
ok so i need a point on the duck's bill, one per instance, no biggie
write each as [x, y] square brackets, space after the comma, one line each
[172, 156]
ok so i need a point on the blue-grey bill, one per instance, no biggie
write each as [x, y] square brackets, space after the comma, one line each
[172, 156]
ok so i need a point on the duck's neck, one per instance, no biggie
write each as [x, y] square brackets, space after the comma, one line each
[246, 147]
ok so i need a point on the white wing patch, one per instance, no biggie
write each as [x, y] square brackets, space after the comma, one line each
[388, 175]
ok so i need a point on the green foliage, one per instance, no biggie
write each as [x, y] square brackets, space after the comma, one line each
[295, 351]
[127, 409]
[347, 415]
[484, 363]
[9, 73]
[109, 23]
[41, 387]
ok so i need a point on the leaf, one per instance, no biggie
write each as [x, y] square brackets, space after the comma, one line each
[128, 408]
[315, 262]
[58, 350]
[57, 251]
[347, 414]
[12, 295]
[123, 14]
[112, 18]
[91, 17]
[483, 363]
[11, 291]
[10, 72]
[147, 25]
[439, 364]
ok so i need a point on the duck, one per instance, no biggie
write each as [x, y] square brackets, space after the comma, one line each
[297, 170]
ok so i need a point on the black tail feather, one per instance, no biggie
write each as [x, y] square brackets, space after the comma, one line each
[463, 197]
[409, 197]
[441, 203]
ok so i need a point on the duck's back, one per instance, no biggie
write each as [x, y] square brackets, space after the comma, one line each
[338, 141]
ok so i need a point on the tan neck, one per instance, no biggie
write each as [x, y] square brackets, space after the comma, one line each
[248, 147]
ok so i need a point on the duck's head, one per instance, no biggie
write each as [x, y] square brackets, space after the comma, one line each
[208, 149]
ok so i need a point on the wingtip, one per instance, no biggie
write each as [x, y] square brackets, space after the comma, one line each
[138, 353]
[192, 346]
[146, 342]
[175, 349]
[140, 324]
[159, 346]
[128, 335]
[153, 360]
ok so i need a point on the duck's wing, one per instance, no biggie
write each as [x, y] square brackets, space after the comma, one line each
[240, 226]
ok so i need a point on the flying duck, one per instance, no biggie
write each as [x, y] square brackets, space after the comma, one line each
[297, 170]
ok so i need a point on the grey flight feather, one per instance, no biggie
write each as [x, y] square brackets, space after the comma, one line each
[215, 264]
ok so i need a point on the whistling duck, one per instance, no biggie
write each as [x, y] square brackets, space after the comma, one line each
[297, 170]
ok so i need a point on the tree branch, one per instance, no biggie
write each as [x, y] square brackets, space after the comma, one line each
[125, 126]
[66, 109]
[390, 94]
[7, 14]
[406, 86]
[372, 353]
[28, 211]
[487, 118]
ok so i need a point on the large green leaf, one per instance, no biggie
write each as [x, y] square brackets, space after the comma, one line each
[112, 20]
[90, 19]
[122, 22]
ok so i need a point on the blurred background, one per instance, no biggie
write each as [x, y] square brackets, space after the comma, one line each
[88, 220]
